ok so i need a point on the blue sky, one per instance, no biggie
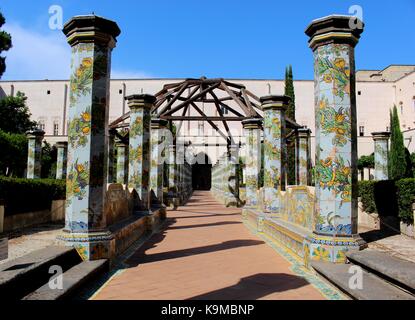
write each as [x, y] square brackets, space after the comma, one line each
[227, 38]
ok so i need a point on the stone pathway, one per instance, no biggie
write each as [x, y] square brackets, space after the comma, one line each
[31, 239]
[396, 245]
[206, 253]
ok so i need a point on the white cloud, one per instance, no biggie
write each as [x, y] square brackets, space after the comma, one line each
[37, 56]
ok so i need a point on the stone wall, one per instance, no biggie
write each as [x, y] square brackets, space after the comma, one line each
[28, 219]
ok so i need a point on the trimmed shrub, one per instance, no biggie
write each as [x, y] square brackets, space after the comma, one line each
[389, 198]
[406, 192]
[366, 193]
[28, 195]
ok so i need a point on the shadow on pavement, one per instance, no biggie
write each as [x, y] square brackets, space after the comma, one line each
[255, 287]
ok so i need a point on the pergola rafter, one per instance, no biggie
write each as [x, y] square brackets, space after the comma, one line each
[215, 95]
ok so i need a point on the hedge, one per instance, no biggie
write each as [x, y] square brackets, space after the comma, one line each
[389, 198]
[406, 191]
[28, 195]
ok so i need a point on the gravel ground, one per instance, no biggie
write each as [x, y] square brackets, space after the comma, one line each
[31, 239]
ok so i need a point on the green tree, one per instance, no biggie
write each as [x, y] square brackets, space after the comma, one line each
[13, 154]
[413, 163]
[5, 44]
[15, 115]
[366, 162]
[290, 113]
[49, 159]
[397, 156]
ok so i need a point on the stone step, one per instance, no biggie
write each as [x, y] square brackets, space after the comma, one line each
[373, 287]
[23, 275]
[72, 280]
[397, 271]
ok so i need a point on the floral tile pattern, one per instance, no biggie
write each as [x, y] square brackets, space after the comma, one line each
[157, 155]
[122, 163]
[140, 153]
[335, 210]
[34, 156]
[61, 161]
[274, 152]
[303, 160]
[88, 113]
[253, 164]
[381, 159]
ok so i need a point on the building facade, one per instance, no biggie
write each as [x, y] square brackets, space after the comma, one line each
[377, 92]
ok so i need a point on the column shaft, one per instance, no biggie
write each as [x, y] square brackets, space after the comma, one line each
[381, 141]
[122, 161]
[61, 164]
[140, 149]
[92, 39]
[252, 129]
[34, 154]
[333, 41]
[274, 150]
[158, 135]
[303, 158]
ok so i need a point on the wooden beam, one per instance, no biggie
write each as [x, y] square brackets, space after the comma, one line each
[235, 98]
[181, 121]
[226, 106]
[120, 119]
[197, 118]
[170, 103]
[191, 100]
[235, 85]
[214, 126]
[217, 104]
[249, 93]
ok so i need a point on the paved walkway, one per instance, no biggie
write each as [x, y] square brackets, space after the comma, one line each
[206, 253]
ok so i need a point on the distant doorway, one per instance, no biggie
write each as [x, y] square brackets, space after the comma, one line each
[202, 174]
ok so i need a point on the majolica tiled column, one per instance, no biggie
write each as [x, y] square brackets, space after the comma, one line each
[112, 171]
[158, 127]
[381, 140]
[274, 108]
[172, 190]
[335, 227]
[180, 162]
[303, 157]
[252, 128]
[140, 149]
[122, 161]
[223, 180]
[34, 154]
[92, 39]
[232, 175]
[62, 148]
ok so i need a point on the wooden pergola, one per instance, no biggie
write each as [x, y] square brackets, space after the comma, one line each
[176, 100]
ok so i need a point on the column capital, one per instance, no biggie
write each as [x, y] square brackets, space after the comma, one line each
[91, 28]
[61, 144]
[275, 102]
[157, 123]
[252, 123]
[34, 134]
[140, 101]
[381, 135]
[121, 143]
[304, 133]
[334, 29]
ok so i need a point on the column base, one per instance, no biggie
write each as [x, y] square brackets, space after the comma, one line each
[90, 246]
[109, 244]
[331, 249]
